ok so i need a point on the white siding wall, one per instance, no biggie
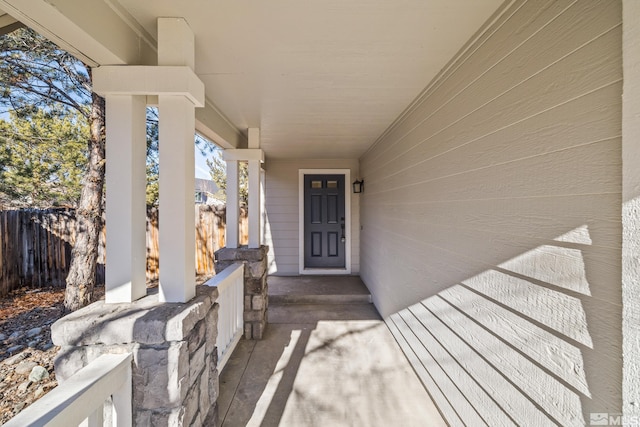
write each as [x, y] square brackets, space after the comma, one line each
[491, 220]
[281, 206]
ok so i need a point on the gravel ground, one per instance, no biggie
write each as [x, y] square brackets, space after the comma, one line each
[26, 350]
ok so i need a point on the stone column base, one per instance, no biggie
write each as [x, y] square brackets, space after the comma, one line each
[256, 298]
[175, 377]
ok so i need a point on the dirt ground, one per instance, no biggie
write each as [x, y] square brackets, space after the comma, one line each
[26, 316]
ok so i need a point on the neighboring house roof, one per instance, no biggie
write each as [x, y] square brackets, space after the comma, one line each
[206, 186]
[209, 191]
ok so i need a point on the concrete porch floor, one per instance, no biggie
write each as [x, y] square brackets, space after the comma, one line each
[327, 359]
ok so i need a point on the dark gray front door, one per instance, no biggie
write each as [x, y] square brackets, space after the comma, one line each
[324, 226]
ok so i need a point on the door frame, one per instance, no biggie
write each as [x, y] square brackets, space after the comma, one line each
[347, 215]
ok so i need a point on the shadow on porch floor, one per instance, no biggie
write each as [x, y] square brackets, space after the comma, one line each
[327, 359]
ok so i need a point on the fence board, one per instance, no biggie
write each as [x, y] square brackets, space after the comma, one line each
[35, 245]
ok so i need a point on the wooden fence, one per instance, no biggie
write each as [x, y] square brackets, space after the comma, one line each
[35, 245]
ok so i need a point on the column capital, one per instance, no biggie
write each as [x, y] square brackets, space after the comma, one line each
[149, 80]
[244, 154]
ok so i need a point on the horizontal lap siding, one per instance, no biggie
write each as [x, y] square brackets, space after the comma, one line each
[282, 216]
[491, 220]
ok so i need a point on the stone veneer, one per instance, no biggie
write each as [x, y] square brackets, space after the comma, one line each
[175, 377]
[256, 300]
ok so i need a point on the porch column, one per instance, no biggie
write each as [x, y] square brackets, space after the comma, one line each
[175, 378]
[263, 183]
[256, 298]
[125, 206]
[176, 121]
[232, 238]
[179, 91]
[255, 189]
[631, 209]
[255, 157]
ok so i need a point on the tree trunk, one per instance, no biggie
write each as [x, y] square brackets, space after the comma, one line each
[84, 256]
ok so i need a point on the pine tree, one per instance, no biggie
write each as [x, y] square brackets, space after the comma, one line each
[34, 74]
[218, 172]
[153, 167]
[43, 157]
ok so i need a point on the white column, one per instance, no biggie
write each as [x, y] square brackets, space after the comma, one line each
[263, 183]
[125, 205]
[254, 204]
[176, 119]
[179, 91]
[254, 190]
[232, 237]
[631, 209]
[177, 198]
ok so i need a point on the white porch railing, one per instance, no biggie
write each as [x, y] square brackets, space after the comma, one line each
[230, 284]
[80, 400]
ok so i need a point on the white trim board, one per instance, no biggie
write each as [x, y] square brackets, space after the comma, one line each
[347, 214]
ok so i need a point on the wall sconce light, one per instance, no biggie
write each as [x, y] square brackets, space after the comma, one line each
[358, 186]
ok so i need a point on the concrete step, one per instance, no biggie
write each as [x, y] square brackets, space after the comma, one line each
[314, 313]
[320, 299]
[317, 290]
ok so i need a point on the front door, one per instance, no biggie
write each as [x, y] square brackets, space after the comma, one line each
[324, 221]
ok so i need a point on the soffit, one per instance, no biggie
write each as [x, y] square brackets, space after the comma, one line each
[7, 23]
[321, 79]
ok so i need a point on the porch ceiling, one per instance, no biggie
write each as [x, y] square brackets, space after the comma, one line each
[7, 23]
[321, 79]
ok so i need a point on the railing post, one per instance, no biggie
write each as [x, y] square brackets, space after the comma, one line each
[239, 303]
[96, 419]
[122, 402]
[255, 297]
[230, 285]
[80, 400]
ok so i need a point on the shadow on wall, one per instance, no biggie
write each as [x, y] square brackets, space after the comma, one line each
[513, 344]
[494, 203]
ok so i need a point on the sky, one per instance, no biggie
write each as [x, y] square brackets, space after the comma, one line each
[202, 170]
